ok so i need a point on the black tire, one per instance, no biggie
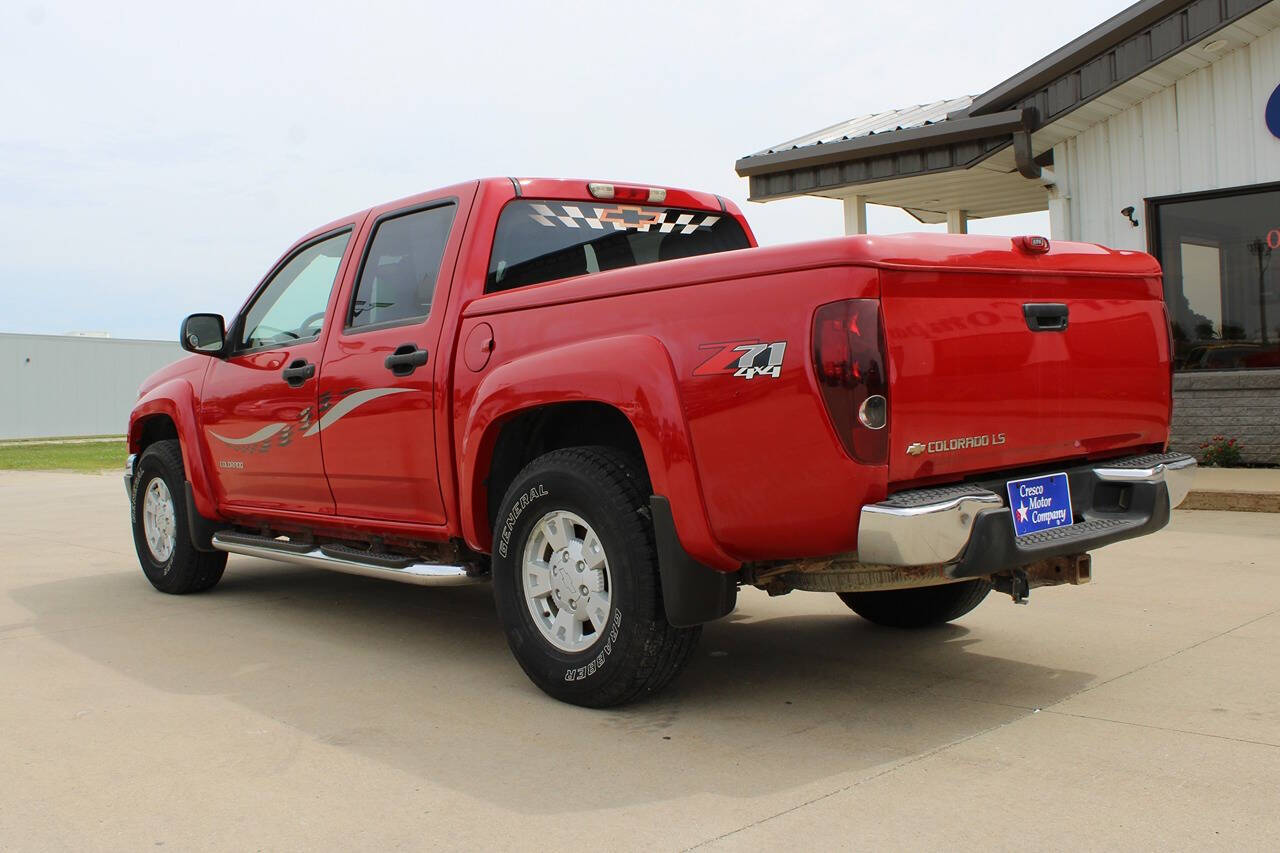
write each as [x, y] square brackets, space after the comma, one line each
[918, 608]
[637, 652]
[185, 569]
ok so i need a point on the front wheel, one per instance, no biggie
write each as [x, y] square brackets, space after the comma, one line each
[575, 580]
[161, 534]
[918, 608]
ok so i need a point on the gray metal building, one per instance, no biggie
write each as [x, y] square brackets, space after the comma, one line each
[69, 385]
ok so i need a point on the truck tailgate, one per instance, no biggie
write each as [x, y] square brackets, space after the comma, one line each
[975, 389]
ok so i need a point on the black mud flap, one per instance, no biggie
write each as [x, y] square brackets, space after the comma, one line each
[691, 592]
[201, 528]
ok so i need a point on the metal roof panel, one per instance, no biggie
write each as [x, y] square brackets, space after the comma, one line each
[867, 125]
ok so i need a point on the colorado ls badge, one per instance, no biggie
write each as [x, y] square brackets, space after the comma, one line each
[1040, 503]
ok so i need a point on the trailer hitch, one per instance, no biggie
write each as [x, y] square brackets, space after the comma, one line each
[1015, 584]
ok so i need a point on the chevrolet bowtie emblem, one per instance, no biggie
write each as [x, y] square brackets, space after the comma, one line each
[915, 449]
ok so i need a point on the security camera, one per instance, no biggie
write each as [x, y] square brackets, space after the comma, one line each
[1127, 213]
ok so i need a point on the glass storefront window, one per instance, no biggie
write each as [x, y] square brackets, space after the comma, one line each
[1221, 259]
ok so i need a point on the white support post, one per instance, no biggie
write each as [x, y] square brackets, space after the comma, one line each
[1059, 216]
[855, 215]
[957, 222]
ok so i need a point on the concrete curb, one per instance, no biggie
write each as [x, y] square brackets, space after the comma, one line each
[1232, 501]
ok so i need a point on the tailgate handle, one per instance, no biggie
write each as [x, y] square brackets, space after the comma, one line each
[1045, 316]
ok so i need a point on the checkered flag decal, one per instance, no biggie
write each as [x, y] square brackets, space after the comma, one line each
[621, 218]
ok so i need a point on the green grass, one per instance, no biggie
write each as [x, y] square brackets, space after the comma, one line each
[92, 456]
[4, 441]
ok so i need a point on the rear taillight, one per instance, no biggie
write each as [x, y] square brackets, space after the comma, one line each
[849, 361]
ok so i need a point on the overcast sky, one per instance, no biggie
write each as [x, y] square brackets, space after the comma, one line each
[156, 159]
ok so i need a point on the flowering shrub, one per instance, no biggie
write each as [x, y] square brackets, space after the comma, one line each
[1220, 452]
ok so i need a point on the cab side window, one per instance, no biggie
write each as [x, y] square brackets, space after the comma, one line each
[291, 307]
[398, 280]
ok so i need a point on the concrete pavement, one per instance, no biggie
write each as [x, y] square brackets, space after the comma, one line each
[292, 709]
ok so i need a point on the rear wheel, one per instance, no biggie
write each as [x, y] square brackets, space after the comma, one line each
[918, 608]
[575, 579]
[161, 534]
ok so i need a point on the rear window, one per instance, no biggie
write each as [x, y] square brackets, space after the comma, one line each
[546, 240]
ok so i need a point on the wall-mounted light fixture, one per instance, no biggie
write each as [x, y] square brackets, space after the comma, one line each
[1127, 213]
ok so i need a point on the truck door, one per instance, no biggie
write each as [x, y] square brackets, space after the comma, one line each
[259, 408]
[383, 377]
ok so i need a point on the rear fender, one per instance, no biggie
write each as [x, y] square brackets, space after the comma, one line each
[632, 373]
[175, 399]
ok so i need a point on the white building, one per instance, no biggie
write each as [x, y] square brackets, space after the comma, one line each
[1158, 130]
[73, 385]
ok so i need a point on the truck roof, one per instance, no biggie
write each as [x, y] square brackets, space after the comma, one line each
[560, 189]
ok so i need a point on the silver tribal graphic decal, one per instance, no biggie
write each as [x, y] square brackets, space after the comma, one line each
[261, 435]
[346, 404]
[330, 408]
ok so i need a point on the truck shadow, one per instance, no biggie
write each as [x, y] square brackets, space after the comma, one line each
[421, 680]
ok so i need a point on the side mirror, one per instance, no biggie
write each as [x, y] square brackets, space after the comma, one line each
[203, 334]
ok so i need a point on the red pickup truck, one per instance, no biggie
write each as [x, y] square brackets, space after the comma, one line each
[607, 402]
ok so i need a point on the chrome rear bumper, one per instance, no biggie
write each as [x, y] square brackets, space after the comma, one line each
[1118, 499]
[922, 527]
[1177, 474]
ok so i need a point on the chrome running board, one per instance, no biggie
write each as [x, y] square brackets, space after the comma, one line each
[343, 559]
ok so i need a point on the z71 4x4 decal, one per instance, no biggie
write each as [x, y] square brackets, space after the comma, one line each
[744, 359]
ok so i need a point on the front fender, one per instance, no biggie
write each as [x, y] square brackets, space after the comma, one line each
[632, 373]
[176, 400]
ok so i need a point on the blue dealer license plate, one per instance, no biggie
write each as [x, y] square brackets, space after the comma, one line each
[1040, 503]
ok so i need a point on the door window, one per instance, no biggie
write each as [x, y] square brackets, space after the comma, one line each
[398, 279]
[291, 307]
